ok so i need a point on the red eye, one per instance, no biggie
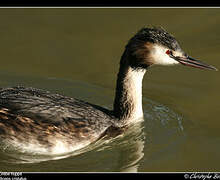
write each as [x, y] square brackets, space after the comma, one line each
[168, 52]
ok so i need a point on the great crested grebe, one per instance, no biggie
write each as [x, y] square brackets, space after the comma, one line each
[37, 120]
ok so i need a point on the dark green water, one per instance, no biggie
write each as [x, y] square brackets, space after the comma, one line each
[76, 52]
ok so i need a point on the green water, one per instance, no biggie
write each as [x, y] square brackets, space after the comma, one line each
[76, 52]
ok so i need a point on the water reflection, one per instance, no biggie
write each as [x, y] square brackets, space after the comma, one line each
[133, 150]
[132, 163]
[161, 129]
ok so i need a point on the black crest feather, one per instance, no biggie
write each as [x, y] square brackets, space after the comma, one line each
[153, 35]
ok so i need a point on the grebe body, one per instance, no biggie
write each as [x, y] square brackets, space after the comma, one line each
[38, 121]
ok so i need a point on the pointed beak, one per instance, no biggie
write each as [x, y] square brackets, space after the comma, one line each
[189, 61]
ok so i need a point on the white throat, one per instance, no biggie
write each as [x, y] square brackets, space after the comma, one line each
[133, 83]
[128, 100]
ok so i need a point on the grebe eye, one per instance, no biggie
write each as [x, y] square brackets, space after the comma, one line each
[168, 52]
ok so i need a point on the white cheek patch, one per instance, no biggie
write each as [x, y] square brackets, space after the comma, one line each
[159, 56]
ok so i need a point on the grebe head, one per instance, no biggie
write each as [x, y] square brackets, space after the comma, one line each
[155, 46]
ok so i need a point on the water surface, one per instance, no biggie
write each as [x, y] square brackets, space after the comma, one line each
[76, 52]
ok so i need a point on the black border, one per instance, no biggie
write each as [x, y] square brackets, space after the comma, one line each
[109, 3]
[179, 176]
[30, 176]
[62, 175]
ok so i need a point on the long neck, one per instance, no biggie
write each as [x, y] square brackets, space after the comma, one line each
[128, 96]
